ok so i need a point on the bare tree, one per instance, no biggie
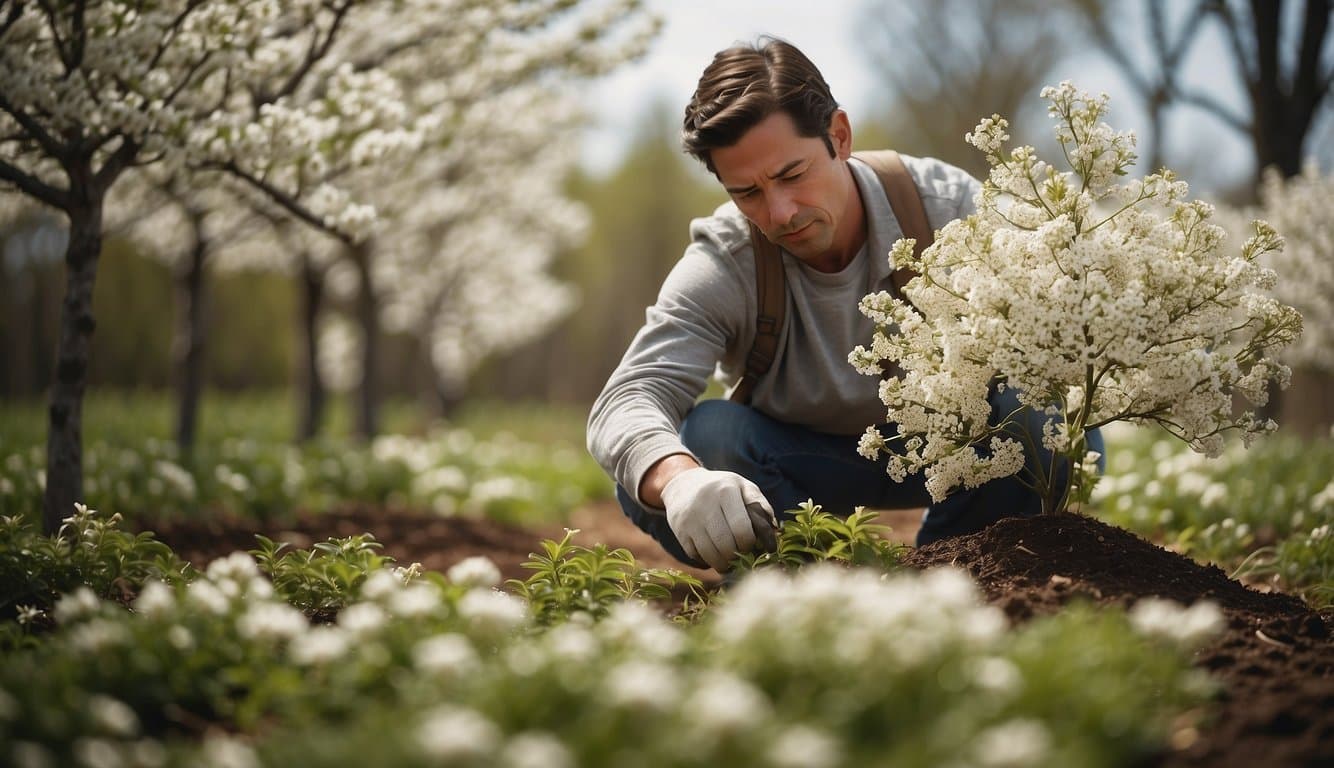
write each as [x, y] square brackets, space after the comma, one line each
[1286, 73]
[1157, 79]
[948, 64]
[1281, 52]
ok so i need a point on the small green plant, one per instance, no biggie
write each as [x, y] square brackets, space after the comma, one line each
[1261, 514]
[322, 579]
[569, 578]
[815, 535]
[89, 550]
[1302, 564]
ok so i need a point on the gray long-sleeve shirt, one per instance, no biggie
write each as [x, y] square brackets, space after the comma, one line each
[704, 320]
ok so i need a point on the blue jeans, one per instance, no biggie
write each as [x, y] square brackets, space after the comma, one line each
[791, 464]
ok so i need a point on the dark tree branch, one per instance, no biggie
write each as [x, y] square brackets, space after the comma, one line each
[317, 52]
[169, 33]
[1232, 25]
[53, 20]
[1188, 31]
[15, 12]
[34, 187]
[286, 201]
[121, 159]
[1266, 15]
[1307, 89]
[1215, 107]
[79, 34]
[34, 130]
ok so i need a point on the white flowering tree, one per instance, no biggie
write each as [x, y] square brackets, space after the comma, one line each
[1302, 208]
[466, 268]
[89, 90]
[290, 99]
[484, 86]
[1096, 299]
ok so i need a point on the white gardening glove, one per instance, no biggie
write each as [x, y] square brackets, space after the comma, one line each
[717, 515]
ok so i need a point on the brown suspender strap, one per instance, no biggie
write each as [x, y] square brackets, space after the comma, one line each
[771, 300]
[771, 283]
[906, 201]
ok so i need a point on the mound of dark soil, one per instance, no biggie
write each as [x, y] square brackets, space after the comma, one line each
[1275, 659]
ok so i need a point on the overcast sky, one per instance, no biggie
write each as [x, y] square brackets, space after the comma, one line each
[826, 31]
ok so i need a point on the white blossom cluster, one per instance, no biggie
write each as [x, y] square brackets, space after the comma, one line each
[1097, 300]
[438, 135]
[1300, 208]
[1189, 627]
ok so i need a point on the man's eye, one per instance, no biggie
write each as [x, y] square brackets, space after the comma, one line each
[793, 176]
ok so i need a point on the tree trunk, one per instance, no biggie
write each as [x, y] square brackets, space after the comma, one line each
[312, 393]
[448, 399]
[1284, 104]
[191, 333]
[64, 439]
[368, 317]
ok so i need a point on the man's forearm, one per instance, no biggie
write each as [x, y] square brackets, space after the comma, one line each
[658, 475]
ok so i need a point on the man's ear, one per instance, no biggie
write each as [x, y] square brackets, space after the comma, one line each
[840, 134]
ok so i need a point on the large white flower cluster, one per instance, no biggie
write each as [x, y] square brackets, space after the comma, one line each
[1300, 207]
[1099, 299]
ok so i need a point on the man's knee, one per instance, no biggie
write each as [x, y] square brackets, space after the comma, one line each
[718, 432]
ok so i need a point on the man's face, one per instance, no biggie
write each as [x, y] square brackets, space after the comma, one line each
[789, 186]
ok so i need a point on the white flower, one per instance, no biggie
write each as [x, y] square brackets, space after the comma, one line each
[97, 753]
[113, 716]
[1015, 743]
[536, 749]
[227, 752]
[26, 614]
[76, 605]
[147, 753]
[1187, 627]
[450, 654]
[456, 733]
[380, 585]
[723, 703]
[363, 619]
[180, 638]
[803, 746]
[155, 600]
[210, 596]
[642, 629]
[238, 566]
[492, 611]
[573, 643]
[27, 754]
[92, 636]
[474, 572]
[320, 645]
[996, 674]
[642, 685]
[416, 599]
[271, 621]
[177, 477]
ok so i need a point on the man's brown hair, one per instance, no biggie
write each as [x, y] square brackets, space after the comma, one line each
[744, 85]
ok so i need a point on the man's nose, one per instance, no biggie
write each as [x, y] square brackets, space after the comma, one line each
[781, 208]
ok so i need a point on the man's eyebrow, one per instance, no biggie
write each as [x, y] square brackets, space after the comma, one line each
[781, 172]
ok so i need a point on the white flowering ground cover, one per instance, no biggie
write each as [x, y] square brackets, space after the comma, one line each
[1264, 513]
[818, 666]
[449, 470]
